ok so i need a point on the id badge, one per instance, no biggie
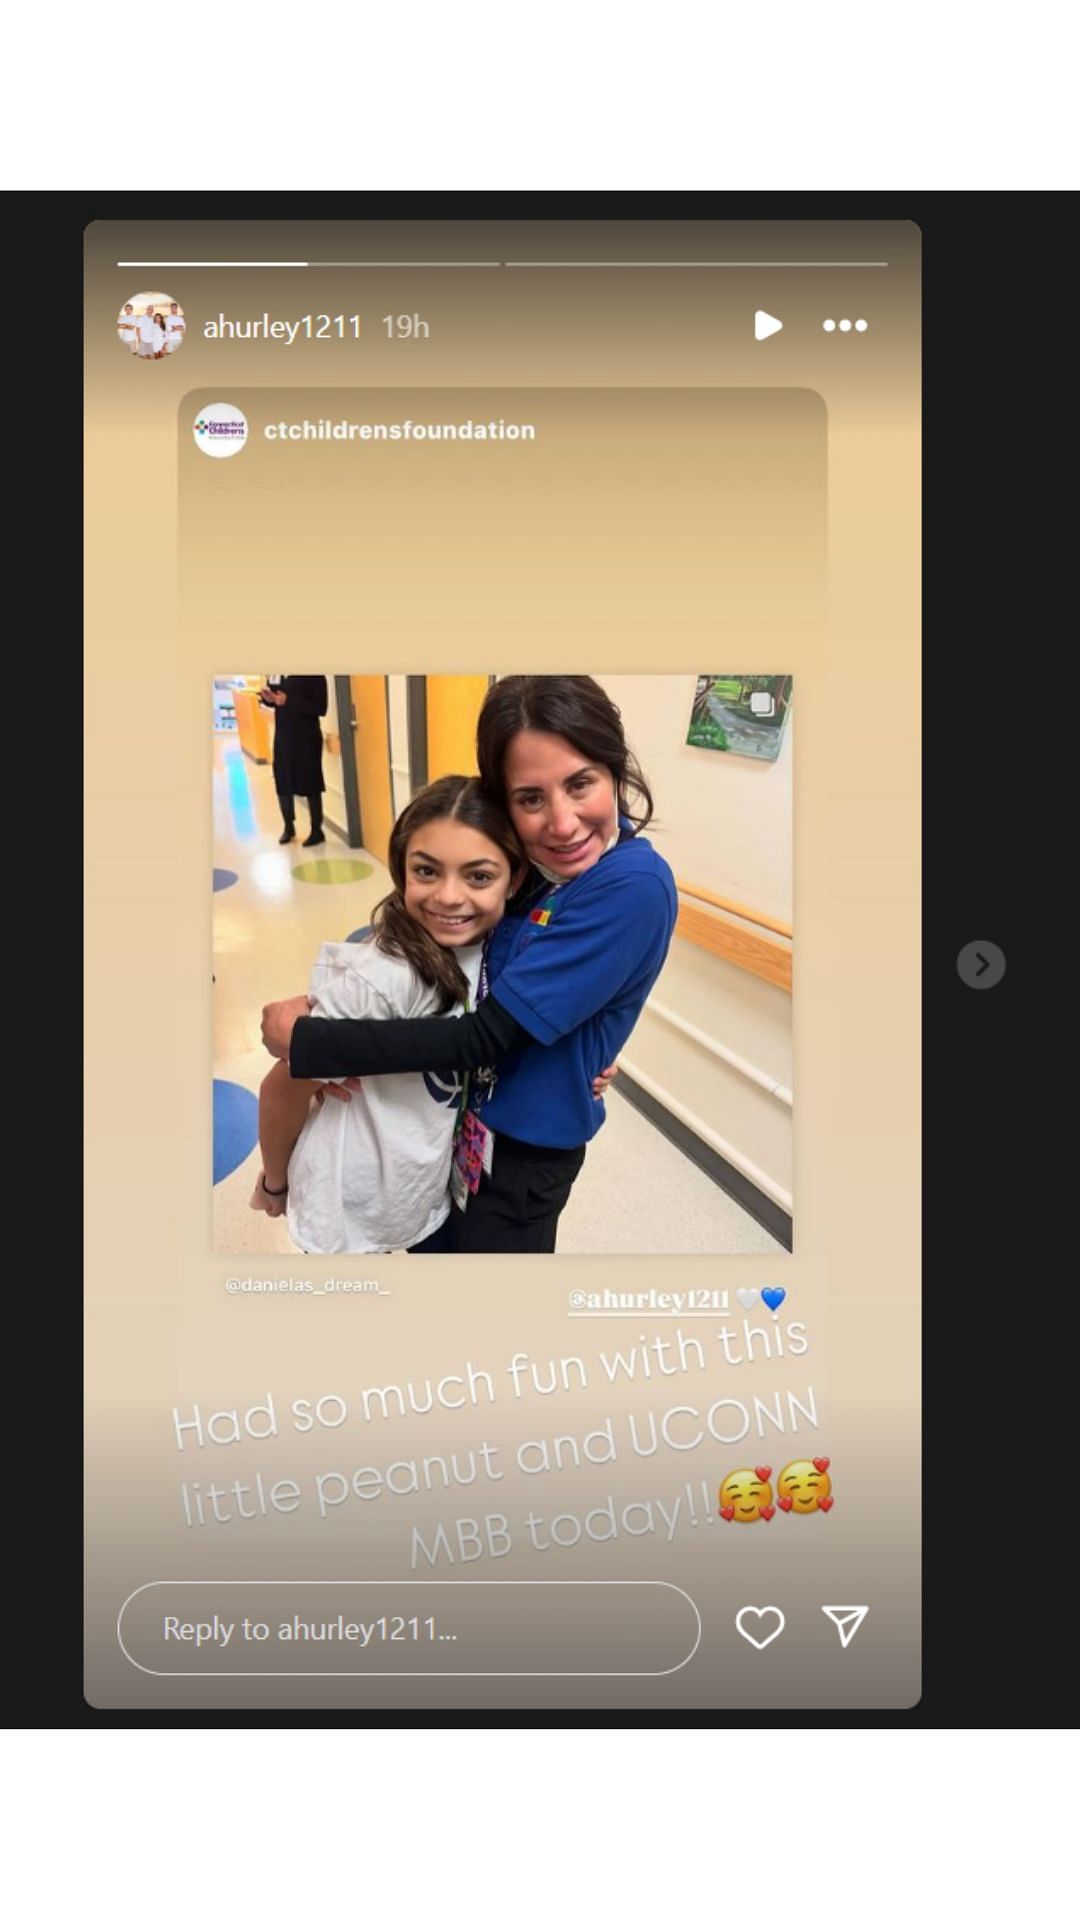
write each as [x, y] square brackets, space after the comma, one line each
[459, 1192]
[473, 1150]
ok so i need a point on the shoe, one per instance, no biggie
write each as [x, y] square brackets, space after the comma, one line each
[284, 838]
[315, 838]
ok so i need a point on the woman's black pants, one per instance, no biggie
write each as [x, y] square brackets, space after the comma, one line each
[516, 1207]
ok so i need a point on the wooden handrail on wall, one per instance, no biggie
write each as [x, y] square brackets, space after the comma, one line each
[751, 914]
[737, 945]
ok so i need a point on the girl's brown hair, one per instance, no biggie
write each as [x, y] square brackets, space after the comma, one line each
[574, 706]
[454, 797]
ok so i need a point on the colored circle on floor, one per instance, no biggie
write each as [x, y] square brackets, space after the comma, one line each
[354, 939]
[224, 877]
[236, 1127]
[331, 873]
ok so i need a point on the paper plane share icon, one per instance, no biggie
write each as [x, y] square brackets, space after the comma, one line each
[847, 1621]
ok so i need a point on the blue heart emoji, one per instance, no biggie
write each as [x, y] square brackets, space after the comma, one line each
[774, 1297]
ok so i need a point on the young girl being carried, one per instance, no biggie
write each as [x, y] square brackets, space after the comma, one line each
[371, 1174]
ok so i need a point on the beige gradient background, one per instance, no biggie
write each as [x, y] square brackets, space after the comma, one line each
[599, 594]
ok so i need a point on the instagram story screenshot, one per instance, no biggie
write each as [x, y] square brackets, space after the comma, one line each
[503, 802]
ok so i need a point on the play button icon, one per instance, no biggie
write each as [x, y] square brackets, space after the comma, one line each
[765, 323]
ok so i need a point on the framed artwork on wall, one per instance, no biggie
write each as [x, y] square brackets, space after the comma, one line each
[741, 713]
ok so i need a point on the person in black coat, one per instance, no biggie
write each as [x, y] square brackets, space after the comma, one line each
[300, 700]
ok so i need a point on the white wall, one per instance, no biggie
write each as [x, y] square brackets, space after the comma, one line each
[399, 741]
[722, 821]
[725, 823]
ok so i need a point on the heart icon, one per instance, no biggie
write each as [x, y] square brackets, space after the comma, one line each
[747, 1297]
[826, 1503]
[745, 1621]
[774, 1297]
[785, 1506]
[763, 1473]
[727, 1513]
[822, 1463]
[767, 1512]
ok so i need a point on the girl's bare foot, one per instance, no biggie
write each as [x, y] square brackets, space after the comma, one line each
[269, 1199]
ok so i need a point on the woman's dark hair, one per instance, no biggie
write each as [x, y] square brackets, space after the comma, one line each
[574, 706]
[454, 797]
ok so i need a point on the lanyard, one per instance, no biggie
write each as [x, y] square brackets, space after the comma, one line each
[479, 1086]
[482, 980]
[474, 1144]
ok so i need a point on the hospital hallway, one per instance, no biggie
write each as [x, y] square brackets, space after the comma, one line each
[273, 906]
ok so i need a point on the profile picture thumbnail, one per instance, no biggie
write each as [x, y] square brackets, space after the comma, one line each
[151, 325]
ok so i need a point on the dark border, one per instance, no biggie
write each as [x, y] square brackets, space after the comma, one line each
[416, 708]
[998, 1237]
[750, 1198]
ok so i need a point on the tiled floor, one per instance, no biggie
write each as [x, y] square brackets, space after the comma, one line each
[636, 1194]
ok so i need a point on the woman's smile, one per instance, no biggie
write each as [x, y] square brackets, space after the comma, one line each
[566, 854]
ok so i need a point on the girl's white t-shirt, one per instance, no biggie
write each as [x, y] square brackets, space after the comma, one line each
[371, 1174]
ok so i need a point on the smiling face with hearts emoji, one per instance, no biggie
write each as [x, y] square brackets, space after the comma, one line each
[746, 1495]
[804, 1486]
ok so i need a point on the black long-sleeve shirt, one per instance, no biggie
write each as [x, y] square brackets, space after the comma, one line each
[324, 1049]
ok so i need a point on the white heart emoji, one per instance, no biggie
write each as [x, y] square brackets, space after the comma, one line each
[757, 1638]
[747, 1297]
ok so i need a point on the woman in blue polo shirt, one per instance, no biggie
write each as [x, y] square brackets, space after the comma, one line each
[569, 968]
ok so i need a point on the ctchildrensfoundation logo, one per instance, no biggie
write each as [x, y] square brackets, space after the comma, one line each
[220, 430]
